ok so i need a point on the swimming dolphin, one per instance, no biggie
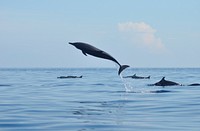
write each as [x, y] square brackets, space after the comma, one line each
[65, 77]
[137, 77]
[195, 84]
[164, 82]
[91, 50]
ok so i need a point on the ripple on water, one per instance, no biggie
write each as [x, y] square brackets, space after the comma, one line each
[36, 100]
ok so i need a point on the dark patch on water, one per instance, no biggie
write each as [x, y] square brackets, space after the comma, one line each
[4, 85]
[156, 91]
[89, 102]
[160, 91]
[142, 91]
[88, 112]
[111, 103]
[98, 84]
[63, 85]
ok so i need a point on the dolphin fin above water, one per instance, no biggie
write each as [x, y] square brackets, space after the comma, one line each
[91, 50]
[164, 82]
[137, 77]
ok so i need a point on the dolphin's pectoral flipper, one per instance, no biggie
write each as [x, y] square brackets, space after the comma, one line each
[84, 53]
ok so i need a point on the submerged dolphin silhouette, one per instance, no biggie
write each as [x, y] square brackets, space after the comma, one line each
[91, 50]
[164, 82]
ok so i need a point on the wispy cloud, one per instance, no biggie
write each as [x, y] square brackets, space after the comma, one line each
[142, 34]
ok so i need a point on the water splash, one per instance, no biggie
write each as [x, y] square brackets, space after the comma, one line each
[127, 85]
[129, 88]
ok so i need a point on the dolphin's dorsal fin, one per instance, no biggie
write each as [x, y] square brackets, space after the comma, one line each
[84, 53]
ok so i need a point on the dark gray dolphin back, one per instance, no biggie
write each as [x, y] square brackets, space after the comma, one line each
[164, 82]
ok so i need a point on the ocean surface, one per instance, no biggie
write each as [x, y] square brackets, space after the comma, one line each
[34, 99]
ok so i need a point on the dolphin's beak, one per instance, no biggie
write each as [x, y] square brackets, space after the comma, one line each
[70, 43]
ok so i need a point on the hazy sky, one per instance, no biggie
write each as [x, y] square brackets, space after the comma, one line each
[141, 33]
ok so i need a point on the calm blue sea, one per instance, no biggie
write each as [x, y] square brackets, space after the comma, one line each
[34, 99]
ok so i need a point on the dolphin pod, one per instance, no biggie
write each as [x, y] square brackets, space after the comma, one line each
[164, 82]
[91, 50]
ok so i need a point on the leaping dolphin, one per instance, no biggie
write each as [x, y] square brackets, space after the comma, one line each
[91, 50]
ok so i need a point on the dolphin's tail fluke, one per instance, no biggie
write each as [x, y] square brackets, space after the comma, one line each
[121, 68]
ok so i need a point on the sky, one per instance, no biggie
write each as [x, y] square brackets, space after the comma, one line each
[140, 33]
